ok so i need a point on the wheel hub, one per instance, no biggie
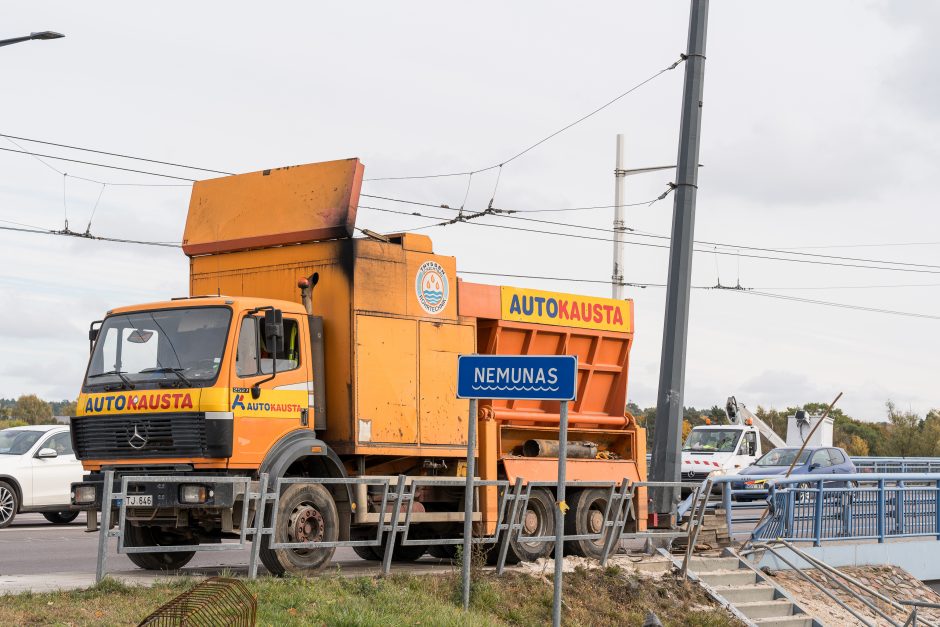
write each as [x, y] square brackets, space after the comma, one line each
[531, 523]
[6, 504]
[306, 524]
[595, 521]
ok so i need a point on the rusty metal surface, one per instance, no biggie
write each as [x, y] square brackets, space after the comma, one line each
[273, 207]
[216, 602]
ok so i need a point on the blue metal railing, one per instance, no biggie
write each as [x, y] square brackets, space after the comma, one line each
[873, 506]
[897, 464]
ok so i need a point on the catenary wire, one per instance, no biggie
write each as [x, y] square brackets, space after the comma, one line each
[512, 214]
[100, 165]
[113, 154]
[542, 140]
[643, 244]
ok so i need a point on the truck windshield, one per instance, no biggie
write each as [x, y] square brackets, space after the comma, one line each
[782, 457]
[712, 440]
[162, 348]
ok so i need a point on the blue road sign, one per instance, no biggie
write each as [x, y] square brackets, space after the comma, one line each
[535, 377]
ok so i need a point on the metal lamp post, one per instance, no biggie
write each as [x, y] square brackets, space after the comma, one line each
[46, 34]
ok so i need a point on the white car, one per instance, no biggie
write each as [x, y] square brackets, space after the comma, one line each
[37, 468]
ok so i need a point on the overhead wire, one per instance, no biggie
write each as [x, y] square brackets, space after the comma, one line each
[542, 140]
[512, 214]
[100, 165]
[446, 222]
[717, 288]
[113, 154]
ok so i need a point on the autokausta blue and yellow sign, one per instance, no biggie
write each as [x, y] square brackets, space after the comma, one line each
[567, 310]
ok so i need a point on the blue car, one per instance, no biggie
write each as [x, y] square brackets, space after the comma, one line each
[813, 461]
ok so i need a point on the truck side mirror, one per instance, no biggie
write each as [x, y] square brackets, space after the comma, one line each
[274, 341]
[274, 331]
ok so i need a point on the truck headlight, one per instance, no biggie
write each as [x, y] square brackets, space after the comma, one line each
[83, 494]
[194, 494]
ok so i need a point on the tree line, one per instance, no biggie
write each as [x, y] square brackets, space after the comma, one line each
[29, 409]
[900, 434]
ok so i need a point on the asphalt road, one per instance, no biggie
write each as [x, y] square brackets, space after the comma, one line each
[32, 546]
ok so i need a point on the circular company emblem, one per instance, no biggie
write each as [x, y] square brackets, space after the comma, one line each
[432, 287]
[137, 434]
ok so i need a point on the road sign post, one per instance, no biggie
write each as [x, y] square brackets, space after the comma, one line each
[514, 377]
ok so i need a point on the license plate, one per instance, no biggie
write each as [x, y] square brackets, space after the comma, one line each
[140, 500]
[754, 486]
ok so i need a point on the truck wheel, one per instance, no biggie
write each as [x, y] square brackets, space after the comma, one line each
[9, 504]
[539, 520]
[305, 513]
[154, 536]
[407, 553]
[60, 518]
[586, 516]
[443, 551]
[369, 553]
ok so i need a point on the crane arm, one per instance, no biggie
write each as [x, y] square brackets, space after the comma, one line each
[740, 415]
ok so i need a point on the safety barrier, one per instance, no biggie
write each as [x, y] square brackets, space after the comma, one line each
[258, 516]
[897, 464]
[852, 507]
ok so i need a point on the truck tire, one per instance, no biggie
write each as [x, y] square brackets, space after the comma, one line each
[399, 553]
[586, 516]
[154, 536]
[304, 513]
[9, 504]
[539, 520]
[443, 551]
[60, 518]
[407, 553]
[368, 553]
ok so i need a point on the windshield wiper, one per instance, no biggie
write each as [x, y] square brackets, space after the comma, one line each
[127, 382]
[176, 371]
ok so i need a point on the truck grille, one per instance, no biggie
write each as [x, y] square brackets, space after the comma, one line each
[140, 436]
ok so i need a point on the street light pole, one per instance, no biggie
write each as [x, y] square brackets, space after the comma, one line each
[46, 34]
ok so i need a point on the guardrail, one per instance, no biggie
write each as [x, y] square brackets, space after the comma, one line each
[897, 464]
[260, 498]
[852, 507]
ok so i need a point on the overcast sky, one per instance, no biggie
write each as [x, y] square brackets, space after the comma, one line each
[821, 129]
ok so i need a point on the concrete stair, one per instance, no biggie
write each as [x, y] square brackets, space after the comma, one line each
[746, 590]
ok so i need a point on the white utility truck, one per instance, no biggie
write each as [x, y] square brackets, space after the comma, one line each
[736, 445]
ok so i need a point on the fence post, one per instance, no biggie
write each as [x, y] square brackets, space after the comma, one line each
[560, 513]
[726, 504]
[818, 514]
[468, 505]
[104, 529]
[936, 508]
[899, 501]
[260, 506]
[881, 510]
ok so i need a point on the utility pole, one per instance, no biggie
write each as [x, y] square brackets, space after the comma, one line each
[667, 446]
[619, 227]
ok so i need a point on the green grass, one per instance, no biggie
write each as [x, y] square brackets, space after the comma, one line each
[596, 597]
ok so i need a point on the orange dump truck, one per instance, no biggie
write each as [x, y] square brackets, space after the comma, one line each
[304, 352]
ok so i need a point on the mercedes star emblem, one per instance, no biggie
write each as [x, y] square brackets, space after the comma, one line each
[137, 441]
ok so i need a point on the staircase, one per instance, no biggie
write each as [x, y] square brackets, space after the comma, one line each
[749, 595]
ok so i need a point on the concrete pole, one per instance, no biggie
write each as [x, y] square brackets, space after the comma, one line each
[619, 227]
[667, 445]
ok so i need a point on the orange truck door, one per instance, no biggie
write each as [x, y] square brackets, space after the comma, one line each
[282, 405]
